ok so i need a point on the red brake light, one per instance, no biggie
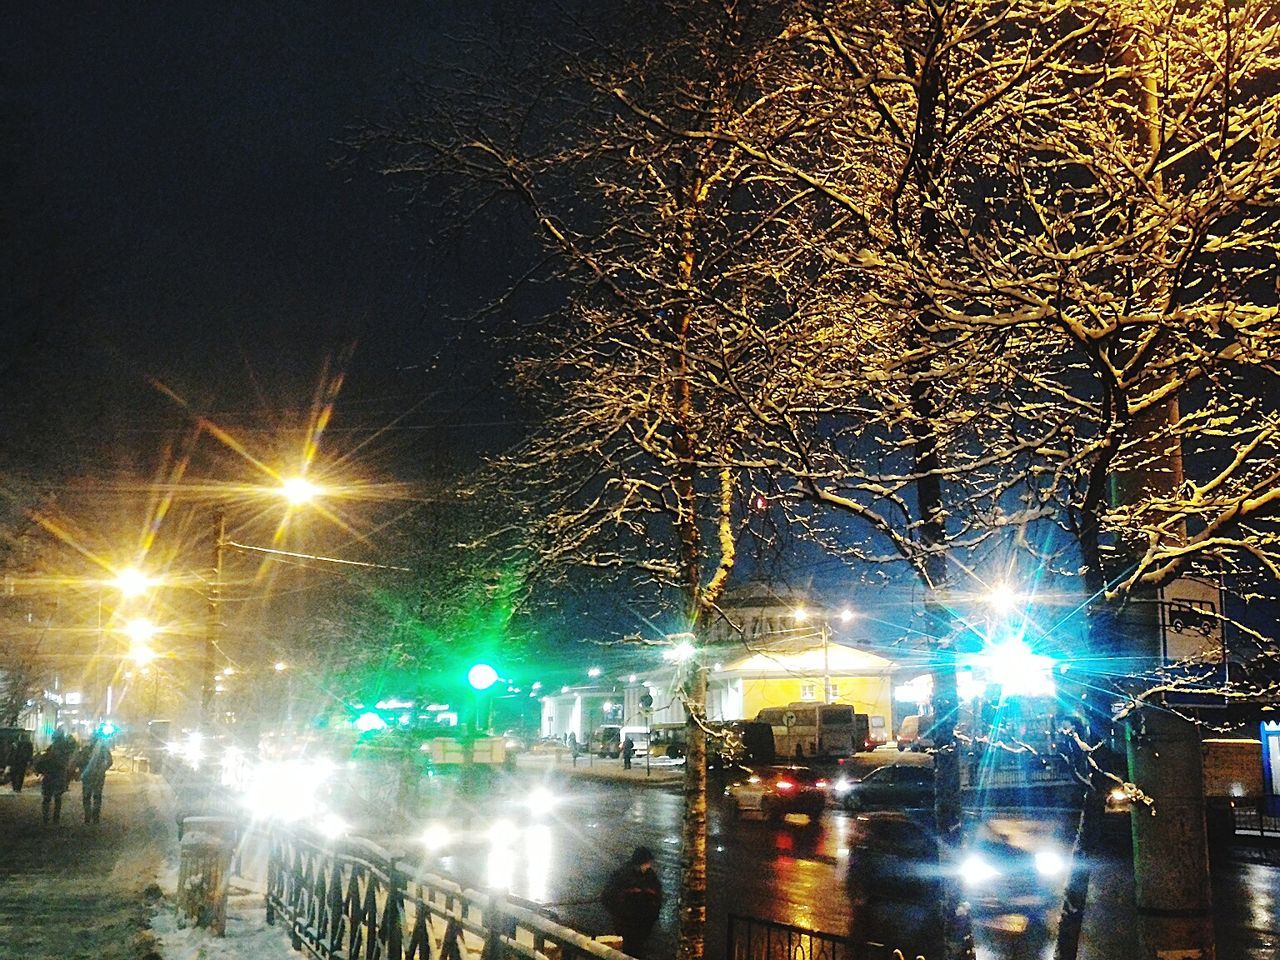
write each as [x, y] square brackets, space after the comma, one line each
[785, 785]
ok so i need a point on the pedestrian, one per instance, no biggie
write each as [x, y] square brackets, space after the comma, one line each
[19, 760]
[54, 767]
[93, 776]
[633, 897]
[628, 751]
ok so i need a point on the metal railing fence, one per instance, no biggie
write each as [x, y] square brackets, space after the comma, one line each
[751, 938]
[350, 899]
[1252, 822]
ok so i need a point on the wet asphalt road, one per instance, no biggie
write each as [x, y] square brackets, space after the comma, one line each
[553, 840]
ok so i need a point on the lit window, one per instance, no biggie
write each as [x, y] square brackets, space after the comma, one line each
[835, 690]
[808, 691]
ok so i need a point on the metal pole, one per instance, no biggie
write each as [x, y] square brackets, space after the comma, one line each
[826, 663]
[102, 701]
[213, 629]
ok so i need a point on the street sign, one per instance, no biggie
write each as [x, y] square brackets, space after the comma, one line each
[1191, 620]
[789, 718]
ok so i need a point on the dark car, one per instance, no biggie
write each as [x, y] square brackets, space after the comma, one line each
[1006, 864]
[773, 792]
[893, 787]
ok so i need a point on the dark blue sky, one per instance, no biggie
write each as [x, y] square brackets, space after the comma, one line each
[177, 207]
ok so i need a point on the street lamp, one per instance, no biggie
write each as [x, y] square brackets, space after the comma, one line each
[140, 631]
[299, 490]
[132, 582]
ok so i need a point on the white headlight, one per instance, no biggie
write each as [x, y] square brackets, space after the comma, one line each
[974, 870]
[841, 787]
[1049, 863]
[436, 835]
[541, 799]
[332, 825]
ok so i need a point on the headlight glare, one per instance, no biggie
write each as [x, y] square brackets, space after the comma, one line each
[1049, 863]
[974, 870]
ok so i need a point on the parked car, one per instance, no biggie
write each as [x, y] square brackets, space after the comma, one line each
[770, 793]
[897, 786]
[1007, 864]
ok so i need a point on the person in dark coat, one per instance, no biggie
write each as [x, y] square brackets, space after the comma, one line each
[628, 751]
[93, 776]
[19, 760]
[54, 767]
[633, 897]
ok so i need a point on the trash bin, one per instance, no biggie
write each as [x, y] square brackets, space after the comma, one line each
[204, 868]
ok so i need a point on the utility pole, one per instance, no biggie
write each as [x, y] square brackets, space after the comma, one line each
[826, 662]
[213, 627]
[1170, 849]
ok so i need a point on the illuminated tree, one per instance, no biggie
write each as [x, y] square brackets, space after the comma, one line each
[936, 270]
[1058, 301]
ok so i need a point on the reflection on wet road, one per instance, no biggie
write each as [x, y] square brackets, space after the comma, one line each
[558, 852]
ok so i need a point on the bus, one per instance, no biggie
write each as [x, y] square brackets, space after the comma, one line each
[817, 729]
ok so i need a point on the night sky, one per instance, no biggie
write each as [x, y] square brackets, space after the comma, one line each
[180, 206]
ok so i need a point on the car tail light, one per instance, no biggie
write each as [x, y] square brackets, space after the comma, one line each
[785, 785]
[821, 784]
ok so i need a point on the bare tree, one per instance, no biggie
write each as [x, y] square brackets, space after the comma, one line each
[636, 473]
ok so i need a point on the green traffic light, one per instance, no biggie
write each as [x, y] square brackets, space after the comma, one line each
[482, 676]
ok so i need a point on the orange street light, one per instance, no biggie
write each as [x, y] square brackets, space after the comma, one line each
[299, 490]
[132, 582]
[140, 632]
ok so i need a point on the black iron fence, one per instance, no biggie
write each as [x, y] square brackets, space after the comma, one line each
[350, 899]
[751, 938]
[1251, 821]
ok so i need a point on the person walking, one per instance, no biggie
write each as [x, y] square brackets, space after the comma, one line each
[628, 751]
[54, 767]
[93, 776]
[19, 760]
[633, 897]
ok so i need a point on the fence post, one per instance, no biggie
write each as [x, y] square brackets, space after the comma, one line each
[394, 909]
[273, 868]
[493, 931]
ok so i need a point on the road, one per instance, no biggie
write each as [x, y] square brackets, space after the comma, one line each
[554, 840]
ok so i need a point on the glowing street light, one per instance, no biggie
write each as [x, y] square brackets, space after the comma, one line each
[846, 615]
[1002, 598]
[682, 652]
[132, 582]
[140, 632]
[593, 672]
[280, 666]
[299, 490]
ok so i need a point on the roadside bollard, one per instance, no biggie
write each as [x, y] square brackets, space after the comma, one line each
[204, 870]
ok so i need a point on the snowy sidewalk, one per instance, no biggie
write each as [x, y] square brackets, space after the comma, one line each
[74, 890]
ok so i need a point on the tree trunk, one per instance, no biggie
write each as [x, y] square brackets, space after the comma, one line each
[693, 849]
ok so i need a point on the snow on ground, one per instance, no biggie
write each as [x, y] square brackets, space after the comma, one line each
[248, 935]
